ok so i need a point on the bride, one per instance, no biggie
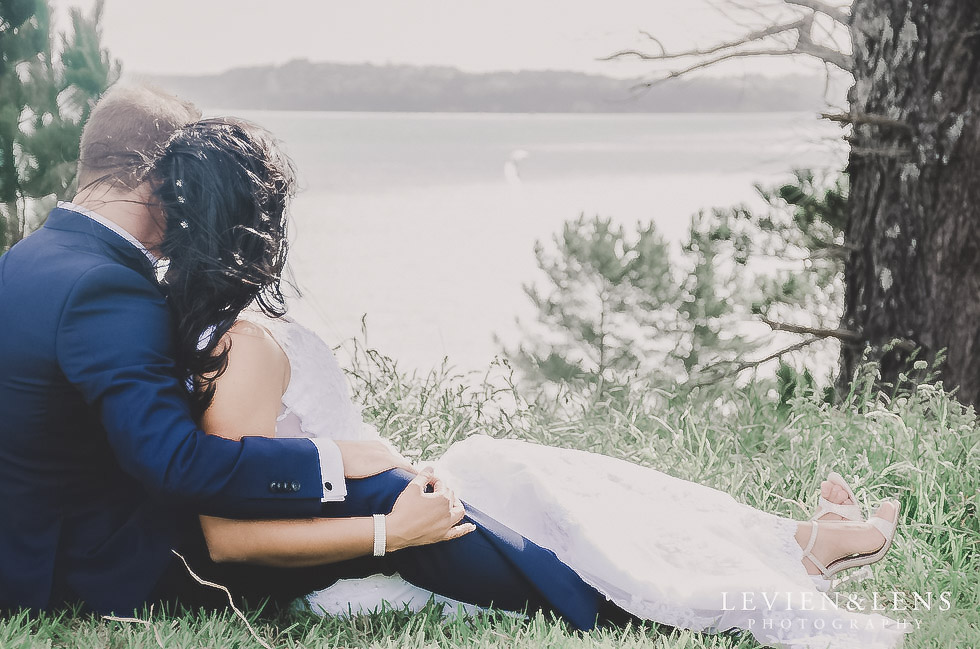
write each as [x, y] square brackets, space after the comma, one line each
[659, 548]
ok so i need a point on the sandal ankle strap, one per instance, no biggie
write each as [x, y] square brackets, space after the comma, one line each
[808, 550]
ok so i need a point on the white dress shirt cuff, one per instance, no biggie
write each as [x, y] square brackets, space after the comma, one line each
[331, 470]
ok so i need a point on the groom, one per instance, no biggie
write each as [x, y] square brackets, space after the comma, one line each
[103, 470]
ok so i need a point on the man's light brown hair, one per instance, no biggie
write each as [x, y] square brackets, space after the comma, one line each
[127, 125]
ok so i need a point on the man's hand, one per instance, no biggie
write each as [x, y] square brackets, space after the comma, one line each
[365, 459]
[427, 511]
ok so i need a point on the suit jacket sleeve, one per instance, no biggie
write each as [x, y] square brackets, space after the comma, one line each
[115, 345]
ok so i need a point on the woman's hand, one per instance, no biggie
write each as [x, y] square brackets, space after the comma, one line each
[427, 511]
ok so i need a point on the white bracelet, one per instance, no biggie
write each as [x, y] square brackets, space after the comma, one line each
[380, 535]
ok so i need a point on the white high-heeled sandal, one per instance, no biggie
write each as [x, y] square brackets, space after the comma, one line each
[887, 529]
[852, 512]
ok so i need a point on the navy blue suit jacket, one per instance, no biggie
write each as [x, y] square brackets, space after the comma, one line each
[98, 452]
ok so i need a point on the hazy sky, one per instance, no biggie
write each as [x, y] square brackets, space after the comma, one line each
[188, 36]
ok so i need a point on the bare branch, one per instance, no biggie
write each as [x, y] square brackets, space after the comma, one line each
[804, 45]
[834, 251]
[866, 118]
[663, 50]
[746, 365]
[782, 352]
[841, 334]
[751, 37]
[836, 13]
[136, 620]
[231, 600]
[827, 54]
[715, 60]
[761, 10]
[831, 33]
[802, 26]
[126, 620]
[897, 153]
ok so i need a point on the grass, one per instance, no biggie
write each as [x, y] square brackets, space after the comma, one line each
[922, 446]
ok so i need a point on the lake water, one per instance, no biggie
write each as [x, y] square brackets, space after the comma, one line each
[426, 223]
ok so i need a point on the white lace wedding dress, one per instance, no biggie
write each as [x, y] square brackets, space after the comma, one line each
[662, 548]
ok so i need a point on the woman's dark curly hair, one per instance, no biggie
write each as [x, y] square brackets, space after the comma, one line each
[223, 185]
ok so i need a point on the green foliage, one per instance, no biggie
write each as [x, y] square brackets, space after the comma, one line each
[714, 304]
[617, 304]
[922, 447]
[48, 86]
[766, 449]
[605, 293]
[791, 253]
[792, 384]
[799, 238]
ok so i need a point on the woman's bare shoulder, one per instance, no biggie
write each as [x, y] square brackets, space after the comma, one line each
[250, 329]
[252, 344]
[249, 391]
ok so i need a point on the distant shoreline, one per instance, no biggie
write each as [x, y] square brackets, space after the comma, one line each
[226, 110]
[335, 87]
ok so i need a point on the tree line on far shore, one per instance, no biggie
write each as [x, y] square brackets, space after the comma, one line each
[307, 85]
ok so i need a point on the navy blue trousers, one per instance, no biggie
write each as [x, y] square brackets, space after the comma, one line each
[492, 566]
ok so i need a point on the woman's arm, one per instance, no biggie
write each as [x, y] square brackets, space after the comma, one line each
[289, 543]
[417, 518]
[247, 401]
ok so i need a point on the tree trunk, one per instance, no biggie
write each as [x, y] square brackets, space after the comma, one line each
[914, 222]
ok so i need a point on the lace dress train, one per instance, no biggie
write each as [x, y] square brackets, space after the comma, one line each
[664, 549]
